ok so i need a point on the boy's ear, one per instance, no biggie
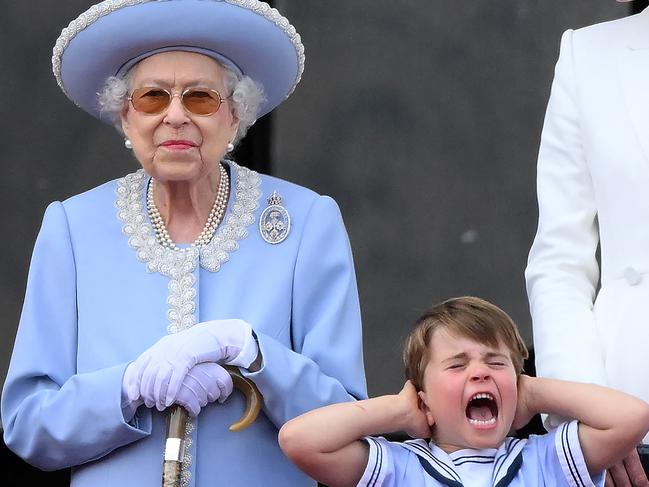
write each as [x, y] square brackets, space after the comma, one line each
[425, 409]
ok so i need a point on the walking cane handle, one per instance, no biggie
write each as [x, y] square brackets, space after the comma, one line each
[177, 424]
[253, 397]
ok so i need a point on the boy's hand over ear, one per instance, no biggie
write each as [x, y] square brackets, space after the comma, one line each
[415, 420]
[525, 409]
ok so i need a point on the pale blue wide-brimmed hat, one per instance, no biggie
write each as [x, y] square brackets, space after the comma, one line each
[109, 38]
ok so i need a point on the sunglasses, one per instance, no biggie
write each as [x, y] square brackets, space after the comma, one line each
[199, 101]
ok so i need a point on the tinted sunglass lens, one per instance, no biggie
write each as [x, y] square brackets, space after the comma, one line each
[201, 102]
[150, 100]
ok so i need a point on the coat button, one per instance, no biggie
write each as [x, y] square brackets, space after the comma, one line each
[632, 276]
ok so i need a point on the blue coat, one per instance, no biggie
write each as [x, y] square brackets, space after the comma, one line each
[101, 290]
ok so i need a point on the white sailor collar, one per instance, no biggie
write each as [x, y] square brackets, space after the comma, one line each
[438, 464]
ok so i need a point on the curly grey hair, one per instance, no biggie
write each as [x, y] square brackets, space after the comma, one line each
[246, 94]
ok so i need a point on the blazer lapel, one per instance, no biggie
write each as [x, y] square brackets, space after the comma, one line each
[634, 77]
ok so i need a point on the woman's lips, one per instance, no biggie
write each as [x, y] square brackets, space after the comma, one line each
[178, 144]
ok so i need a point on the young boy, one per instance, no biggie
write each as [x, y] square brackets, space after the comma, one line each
[465, 391]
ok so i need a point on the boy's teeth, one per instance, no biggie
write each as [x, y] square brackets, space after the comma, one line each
[482, 421]
[482, 395]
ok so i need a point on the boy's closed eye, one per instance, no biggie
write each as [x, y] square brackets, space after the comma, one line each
[456, 366]
[497, 364]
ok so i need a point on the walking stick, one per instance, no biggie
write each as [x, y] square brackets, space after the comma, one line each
[177, 422]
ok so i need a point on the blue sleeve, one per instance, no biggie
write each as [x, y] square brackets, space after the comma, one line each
[325, 364]
[54, 417]
[557, 458]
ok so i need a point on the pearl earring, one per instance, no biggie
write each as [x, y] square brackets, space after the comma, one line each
[128, 144]
[230, 146]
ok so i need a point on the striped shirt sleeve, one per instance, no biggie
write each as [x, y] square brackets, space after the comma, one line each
[378, 463]
[571, 458]
[389, 464]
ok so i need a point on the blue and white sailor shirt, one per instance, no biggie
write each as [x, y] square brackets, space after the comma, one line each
[553, 459]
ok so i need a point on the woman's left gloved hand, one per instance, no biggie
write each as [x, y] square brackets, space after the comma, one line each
[159, 372]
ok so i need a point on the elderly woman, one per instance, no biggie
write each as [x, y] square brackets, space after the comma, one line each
[142, 289]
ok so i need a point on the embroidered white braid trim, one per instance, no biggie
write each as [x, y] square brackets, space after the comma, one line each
[185, 472]
[179, 265]
[101, 9]
[235, 224]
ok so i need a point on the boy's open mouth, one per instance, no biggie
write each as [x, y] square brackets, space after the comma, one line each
[482, 409]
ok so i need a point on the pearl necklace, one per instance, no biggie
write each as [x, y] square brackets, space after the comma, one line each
[213, 220]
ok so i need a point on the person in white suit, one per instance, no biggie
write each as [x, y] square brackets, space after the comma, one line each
[589, 321]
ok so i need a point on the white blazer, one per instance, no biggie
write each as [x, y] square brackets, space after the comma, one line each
[593, 189]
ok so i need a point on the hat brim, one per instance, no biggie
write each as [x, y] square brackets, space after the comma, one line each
[262, 45]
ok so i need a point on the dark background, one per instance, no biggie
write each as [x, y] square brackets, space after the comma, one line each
[420, 117]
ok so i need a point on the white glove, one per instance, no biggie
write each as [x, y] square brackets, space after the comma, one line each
[159, 372]
[204, 383]
[129, 406]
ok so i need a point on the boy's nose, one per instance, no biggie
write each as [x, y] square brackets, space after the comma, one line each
[480, 374]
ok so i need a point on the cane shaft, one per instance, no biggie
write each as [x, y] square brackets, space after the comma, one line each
[174, 447]
[177, 424]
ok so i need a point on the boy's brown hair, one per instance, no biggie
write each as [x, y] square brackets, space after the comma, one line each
[468, 317]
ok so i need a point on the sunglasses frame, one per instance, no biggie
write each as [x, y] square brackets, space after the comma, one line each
[180, 95]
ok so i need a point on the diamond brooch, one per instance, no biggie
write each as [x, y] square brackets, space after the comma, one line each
[275, 222]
